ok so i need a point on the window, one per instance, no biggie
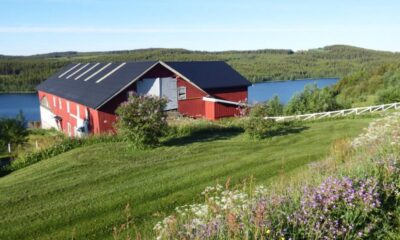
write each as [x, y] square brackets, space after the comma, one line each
[54, 101]
[44, 102]
[68, 107]
[69, 129]
[181, 93]
[78, 114]
[60, 103]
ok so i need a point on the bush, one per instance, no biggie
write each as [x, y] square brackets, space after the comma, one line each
[275, 107]
[258, 127]
[312, 100]
[390, 95]
[13, 131]
[142, 120]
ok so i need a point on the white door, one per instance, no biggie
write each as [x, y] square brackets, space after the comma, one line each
[169, 90]
[149, 86]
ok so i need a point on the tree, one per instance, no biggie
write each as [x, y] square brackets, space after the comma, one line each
[13, 131]
[389, 95]
[142, 120]
[312, 99]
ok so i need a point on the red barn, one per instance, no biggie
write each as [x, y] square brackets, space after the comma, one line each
[82, 97]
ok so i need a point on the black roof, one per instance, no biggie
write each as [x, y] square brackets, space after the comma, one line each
[93, 84]
[210, 75]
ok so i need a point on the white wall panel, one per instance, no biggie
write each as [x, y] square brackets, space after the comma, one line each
[149, 86]
[47, 118]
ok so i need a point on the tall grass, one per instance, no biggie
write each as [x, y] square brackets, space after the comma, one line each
[62, 146]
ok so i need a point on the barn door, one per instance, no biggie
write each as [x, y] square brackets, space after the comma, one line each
[149, 86]
[169, 90]
[161, 87]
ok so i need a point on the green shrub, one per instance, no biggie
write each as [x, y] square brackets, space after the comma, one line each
[142, 120]
[390, 95]
[258, 127]
[312, 99]
[275, 107]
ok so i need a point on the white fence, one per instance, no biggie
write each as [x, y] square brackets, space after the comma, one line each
[339, 113]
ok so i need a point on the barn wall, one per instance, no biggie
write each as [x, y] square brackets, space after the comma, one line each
[193, 105]
[226, 110]
[69, 117]
[158, 71]
[230, 94]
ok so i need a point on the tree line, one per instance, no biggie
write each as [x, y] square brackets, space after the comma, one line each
[24, 73]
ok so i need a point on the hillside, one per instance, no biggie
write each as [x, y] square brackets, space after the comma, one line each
[81, 194]
[24, 73]
[380, 84]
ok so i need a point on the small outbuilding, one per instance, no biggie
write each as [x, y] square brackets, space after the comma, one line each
[82, 97]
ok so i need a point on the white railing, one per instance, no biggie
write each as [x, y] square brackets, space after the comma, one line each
[338, 113]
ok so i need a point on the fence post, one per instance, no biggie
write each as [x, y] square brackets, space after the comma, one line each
[9, 147]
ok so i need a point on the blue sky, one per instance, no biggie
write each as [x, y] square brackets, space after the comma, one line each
[40, 26]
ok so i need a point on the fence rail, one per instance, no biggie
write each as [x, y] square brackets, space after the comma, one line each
[338, 113]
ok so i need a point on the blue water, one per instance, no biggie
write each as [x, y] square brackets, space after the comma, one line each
[260, 92]
[11, 104]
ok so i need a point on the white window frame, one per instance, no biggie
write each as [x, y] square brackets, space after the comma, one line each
[54, 101]
[60, 103]
[68, 107]
[182, 93]
[45, 102]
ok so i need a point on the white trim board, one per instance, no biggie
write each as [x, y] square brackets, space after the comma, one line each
[209, 99]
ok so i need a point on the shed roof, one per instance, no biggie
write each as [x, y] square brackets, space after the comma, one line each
[93, 84]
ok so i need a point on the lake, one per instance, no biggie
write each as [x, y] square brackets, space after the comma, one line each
[260, 92]
[11, 104]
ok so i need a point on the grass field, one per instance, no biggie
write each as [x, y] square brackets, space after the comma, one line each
[83, 192]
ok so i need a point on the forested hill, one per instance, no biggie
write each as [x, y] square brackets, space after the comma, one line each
[24, 73]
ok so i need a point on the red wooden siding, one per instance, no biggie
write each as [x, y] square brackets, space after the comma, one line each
[230, 94]
[66, 117]
[226, 110]
[193, 105]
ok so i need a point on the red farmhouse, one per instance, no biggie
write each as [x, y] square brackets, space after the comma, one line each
[82, 97]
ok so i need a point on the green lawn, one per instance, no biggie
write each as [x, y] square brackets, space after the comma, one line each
[85, 190]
